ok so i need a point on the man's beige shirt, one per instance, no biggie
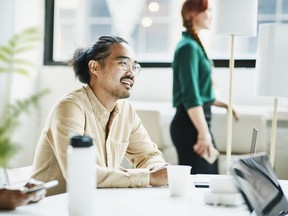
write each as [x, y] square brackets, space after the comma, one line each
[80, 112]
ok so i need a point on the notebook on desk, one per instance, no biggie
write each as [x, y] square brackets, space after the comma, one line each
[258, 184]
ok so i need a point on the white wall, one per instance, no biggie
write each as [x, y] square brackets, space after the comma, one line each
[6, 9]
[155, 84]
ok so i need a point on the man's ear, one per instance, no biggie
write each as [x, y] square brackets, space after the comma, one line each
[93, 67]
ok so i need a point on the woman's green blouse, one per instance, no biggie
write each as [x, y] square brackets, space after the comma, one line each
[192, 82]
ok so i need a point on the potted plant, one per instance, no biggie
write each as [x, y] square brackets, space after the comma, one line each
[12, 62]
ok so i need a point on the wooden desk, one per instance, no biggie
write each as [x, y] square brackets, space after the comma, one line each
[134, 202]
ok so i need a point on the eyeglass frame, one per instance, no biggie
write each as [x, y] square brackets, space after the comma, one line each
[126, 65]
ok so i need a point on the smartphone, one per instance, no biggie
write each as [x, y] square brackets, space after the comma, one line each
[46, 185]
[214, 154]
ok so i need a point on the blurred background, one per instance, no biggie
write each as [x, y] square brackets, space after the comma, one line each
[152, 27]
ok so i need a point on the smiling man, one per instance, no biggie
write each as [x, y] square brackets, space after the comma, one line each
[99, 109]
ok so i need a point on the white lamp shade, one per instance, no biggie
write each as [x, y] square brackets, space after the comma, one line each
[272, 60]
[237, 17]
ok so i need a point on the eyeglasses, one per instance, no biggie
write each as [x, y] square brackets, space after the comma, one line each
[127, 65]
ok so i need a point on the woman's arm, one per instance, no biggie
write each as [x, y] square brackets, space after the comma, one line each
[204, 140]
[225, 105]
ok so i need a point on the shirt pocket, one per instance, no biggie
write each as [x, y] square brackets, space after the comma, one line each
[119, 150]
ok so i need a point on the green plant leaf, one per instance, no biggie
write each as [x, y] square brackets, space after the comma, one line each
[29, 35]
[2, 69]
[24, 49]
[11, 43]
[10, 62]
[19, 61]
[7, 50]
[32, 39]
[4, 54]
[29, 31]
[22, 71]
[4, 58]
[8, 126]
[9, 122]
[7, 149]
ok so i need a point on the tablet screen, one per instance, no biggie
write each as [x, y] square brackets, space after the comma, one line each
[258, 183]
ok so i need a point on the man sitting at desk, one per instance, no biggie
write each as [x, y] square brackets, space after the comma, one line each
[99, 109]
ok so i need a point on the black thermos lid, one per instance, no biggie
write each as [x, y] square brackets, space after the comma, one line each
[79, 141]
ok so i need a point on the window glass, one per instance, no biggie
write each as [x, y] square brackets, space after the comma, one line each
[152, 27]
[285, 7]
[267, 6]
[99, 9]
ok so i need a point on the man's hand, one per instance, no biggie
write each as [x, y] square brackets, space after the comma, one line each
[158, 176]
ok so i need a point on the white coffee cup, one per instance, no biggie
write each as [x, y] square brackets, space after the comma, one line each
[178, 178]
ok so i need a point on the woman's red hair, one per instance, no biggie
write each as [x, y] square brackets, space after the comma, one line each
[189, 6]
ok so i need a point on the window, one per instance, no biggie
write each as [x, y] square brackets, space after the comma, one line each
[152, 28]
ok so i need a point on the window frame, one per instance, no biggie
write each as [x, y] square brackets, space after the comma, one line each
[48, 47]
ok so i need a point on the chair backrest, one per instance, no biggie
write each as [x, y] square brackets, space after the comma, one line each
[241, 133]
[151, 120]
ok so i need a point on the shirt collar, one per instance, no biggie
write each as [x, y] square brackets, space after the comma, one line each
[187, 35]
[97, 107]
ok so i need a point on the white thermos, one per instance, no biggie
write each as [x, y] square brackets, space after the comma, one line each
[81, 175]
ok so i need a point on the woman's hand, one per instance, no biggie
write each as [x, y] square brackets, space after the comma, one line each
[225, 105]
[203, 145]
[204, 139]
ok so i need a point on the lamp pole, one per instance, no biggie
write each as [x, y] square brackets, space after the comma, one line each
[229, 118]
[273, 133]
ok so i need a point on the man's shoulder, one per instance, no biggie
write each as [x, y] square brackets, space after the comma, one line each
[75, 97]
[76, 93]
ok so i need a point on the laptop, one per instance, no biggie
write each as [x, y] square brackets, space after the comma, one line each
[258, 184]
[254, 141]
